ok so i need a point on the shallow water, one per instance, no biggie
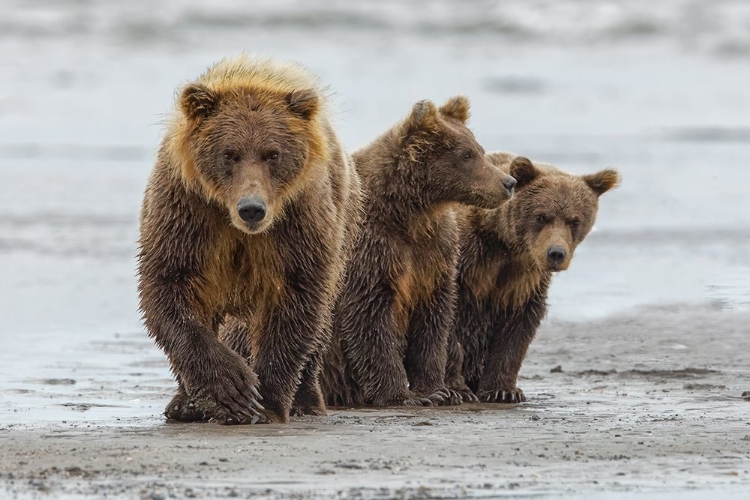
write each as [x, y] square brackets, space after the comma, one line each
[658, 91]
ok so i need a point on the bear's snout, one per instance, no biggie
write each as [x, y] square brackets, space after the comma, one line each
[251, 209]
[509, 183]
[556, 256]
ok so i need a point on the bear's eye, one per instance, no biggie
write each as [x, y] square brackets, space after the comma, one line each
[542, 219]
[231, 156]
[575, 223]
[467, 155]
[271, 156]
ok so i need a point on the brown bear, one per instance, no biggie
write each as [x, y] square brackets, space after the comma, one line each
[395, 311]
[246, 215]
[507, 259]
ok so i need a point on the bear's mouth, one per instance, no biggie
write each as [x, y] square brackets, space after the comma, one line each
[557, 267]
[251, 227]
[255, 227]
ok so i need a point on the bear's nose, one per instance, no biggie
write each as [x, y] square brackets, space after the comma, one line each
[509, 183]
[251, 209]
[555, 255]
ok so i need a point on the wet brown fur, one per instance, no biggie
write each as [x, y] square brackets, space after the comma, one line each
[246, 127]
[394, 315]
[504, 273]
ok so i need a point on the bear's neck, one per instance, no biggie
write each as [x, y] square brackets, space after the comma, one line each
[396, 188]
[492, 222]
[499, 224]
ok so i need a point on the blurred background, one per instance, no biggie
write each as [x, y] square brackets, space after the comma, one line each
[658, 90]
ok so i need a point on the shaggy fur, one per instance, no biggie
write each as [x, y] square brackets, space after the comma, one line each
[395, 312]
[506, 263]
[247, 129]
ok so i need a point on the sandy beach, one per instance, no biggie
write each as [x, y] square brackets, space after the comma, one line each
[646, 408]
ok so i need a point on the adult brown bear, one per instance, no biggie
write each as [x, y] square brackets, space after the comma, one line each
[246, 214]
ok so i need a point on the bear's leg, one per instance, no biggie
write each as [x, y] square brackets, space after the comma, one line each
[336, 379]
[454, 376]
[370, 338]
[309, 398]
[288, 333]
[172, 274]
[216, 378]
[510, 340]
[469, 343]
[426, 353]
[235, 334]
[182, 408]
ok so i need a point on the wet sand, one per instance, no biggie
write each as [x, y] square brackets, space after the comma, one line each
[649, 404]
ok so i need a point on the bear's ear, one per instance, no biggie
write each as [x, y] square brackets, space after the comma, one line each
[423, 116]
[198, 101]
[603, 181]
[523, 170]
[303, 103]
[456, 107]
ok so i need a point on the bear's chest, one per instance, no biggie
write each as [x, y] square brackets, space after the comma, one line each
[253, 274]
[516, 282]
[495, 275]
[420, 270]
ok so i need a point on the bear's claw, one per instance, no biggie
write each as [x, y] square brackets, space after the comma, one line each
[512, 396]
[465, 394]
[456, 398]
[445, 397]
[440, 397]
[232, 396]
[468, 396]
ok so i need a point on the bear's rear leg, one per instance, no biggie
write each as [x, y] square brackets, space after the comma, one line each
[309, 398]
[454, 378]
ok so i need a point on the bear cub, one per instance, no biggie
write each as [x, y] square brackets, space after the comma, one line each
[507, 259]
[396, 308]
[246, 216]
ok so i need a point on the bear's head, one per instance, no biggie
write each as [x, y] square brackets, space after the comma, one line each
[445, 160]
[553, 211]
[249, 148]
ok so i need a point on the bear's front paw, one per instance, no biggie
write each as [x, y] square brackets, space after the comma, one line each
[443, 397]
[456, 397]
[466, 394]
[184, 409]
[409, 399]
[231, 394]
[440, 397]
[315, 411]
[511, 396]
[414, 400]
